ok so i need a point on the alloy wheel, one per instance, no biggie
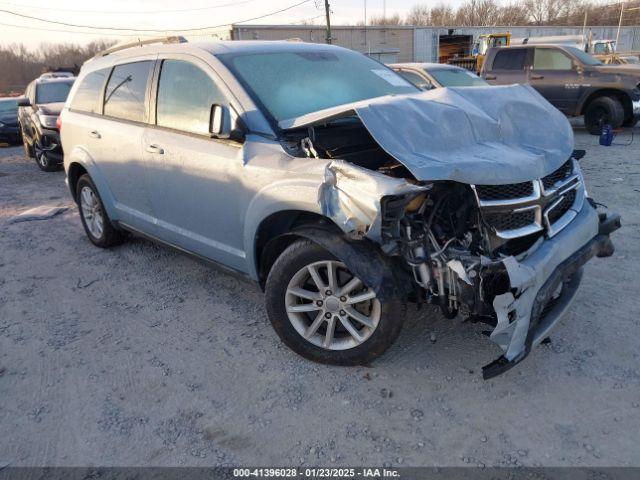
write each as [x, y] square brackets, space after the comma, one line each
[330, 307]
[91, 212]
[41, 156]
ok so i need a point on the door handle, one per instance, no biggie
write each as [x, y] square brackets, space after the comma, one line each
[537, 77]
[490, 77]
[95, 134]
[154, 149]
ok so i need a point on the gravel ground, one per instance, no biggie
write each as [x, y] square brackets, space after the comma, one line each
[143, 356]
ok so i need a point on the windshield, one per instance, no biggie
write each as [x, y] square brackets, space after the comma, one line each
[453, 77]
[290, 84]
[52, 92]
[583, 56]
[8, 107]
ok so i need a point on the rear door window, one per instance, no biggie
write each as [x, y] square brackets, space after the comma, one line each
[185, 96]
[126, 91]
[510, 59]
[549, 59]
[88, 96]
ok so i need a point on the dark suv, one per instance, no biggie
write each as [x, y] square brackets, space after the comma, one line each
[572, 80]
[38, 115]
[9, 131]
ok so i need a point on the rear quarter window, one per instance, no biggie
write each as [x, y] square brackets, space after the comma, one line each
[125, 94]
[88, 96]
[510, 59]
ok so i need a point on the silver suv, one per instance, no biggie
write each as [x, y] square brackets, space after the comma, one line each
[340, 188]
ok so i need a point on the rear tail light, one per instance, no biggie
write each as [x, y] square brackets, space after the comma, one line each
[59, 123]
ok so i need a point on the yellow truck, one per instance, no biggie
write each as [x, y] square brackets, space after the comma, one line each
[475, 60]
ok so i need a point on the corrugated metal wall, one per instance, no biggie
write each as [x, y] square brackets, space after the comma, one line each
[397, 41]
[414, 44]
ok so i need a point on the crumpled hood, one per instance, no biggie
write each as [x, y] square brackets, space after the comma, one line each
[51, 108]
[476, 135]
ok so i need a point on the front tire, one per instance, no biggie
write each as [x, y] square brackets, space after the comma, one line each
[602, 111]
[28, 149]
[324, 312]
[42, 159]
[94, 218]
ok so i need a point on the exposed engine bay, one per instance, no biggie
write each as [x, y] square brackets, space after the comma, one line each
[471, 249]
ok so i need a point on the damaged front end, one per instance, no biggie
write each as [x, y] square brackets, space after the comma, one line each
[509, 255]
[495, 227]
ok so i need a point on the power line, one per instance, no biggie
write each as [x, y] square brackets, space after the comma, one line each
[156, 30]
[100, 34]
[126, 12]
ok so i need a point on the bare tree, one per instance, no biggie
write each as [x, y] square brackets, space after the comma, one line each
[21, 65]
[419, 15]
[442, 15]
[388, 20]
[477, 13]
[512, 14]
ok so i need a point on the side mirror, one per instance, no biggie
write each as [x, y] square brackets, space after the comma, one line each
[220, 121]
[24, 102]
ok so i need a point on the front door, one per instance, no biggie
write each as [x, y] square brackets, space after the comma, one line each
[554, 76]
[194, 178]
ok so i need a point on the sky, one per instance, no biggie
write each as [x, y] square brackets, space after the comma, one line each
[171, 15]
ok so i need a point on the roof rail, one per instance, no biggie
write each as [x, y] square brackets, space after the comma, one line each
[140, 43]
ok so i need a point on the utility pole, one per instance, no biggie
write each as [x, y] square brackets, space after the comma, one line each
[619, 24]
[366, 43]
[328, 12]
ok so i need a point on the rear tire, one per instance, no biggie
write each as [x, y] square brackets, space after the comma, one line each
[323, 319]
[94, 217]
[601, 111]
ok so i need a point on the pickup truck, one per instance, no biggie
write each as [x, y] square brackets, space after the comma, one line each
[573, 81]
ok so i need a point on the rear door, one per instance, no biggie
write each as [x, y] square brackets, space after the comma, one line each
[510, 65]
[116, 141]
[194, 179]
[554, 76]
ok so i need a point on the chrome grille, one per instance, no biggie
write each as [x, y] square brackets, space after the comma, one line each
[541, 206]
[504, 192]
[560, 174]
[510, 220]
[556, 211]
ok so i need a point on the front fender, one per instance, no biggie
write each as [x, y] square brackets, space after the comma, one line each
[364, 259]
[283, 195]
[80, 156]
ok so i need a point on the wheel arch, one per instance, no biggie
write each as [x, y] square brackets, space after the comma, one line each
[620, 95]
[77, 163]
[279, 230]
[74, 172]
[364, 258]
